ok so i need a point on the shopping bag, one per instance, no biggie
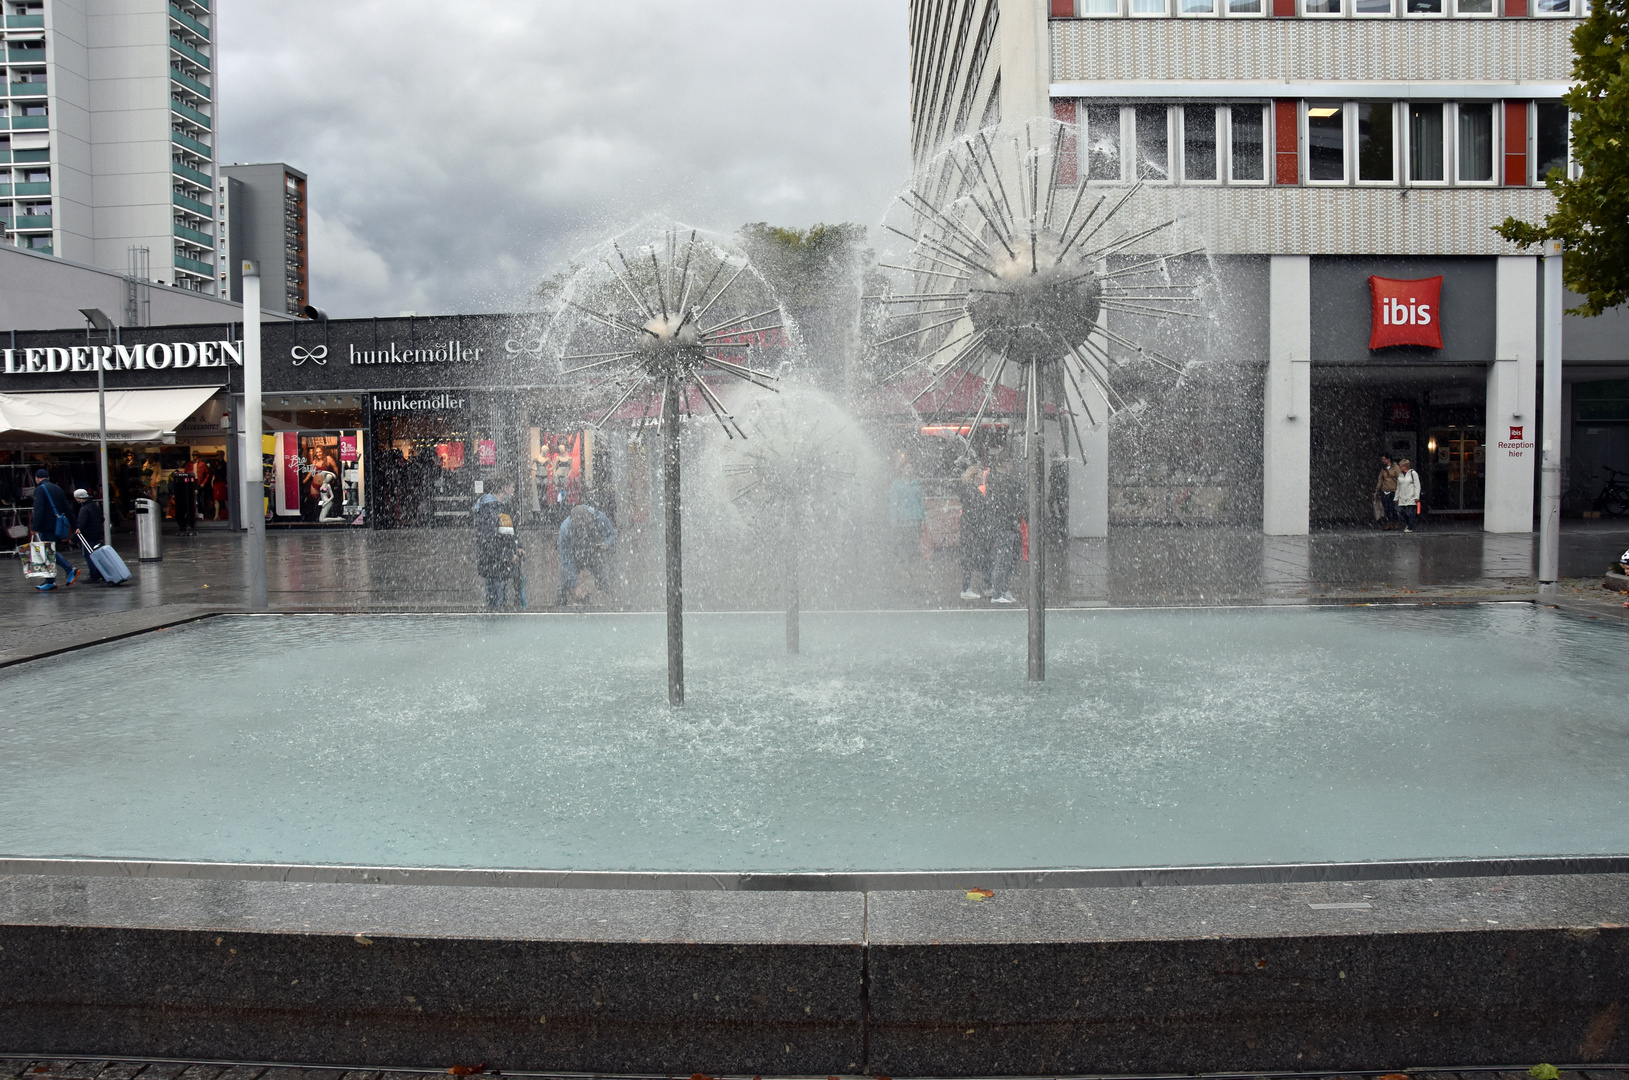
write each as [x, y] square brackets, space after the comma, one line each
[1379, 507]
[42, 560]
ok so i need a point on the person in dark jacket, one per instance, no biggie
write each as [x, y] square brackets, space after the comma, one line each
[975, 541]
[51, 501]
[89, 526]
[1006, 510]
[585, 537]
[184, 488]
[497, 551]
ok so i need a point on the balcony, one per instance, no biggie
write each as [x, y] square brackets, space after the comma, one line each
[189, 22]
[5, 157]
[25, 56]
[202, 239]
[5, 191]
[34, 189]
[21, 156]
[193, 266]
[189, 52]
[194, 175]
[193, 204]
[190, 113]
[28, 89]
[190, 83]
[25, 22]
[19, 123]
[30, 221]
[201, 149]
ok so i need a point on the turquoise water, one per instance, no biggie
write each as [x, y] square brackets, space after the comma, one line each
[894, 742]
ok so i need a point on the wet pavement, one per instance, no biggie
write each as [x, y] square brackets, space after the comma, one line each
[433, 570]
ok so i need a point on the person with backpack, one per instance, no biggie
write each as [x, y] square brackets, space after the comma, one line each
[51, 522]
[497, 551]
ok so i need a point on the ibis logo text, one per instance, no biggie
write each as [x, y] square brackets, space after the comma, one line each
[1406, 312]
[1517, 444]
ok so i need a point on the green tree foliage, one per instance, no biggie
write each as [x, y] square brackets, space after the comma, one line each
[805, 266]
[1591, 216]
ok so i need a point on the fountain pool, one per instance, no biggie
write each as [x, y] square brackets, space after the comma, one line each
[895, 741]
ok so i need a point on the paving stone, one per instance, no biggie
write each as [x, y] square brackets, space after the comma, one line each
[120, 1070]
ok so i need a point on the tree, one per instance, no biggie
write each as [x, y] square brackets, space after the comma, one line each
[1591, 217]
[815, 274]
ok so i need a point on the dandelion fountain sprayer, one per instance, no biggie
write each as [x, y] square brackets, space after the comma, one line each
[1010, 285]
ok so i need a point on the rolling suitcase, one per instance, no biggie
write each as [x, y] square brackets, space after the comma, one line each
[107, 563]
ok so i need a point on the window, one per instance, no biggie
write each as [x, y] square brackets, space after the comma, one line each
[1149, 7]
[34, 110]
[1101, 7]
[37, 176]
[1196, 7]
[1550, 139]
[1425, 146]
[1553, 7]
[1326, 142]
[1244, 7]
[1199, 143]
[1473, 7]
[1376, 148]
[1153, 142]
[1102, 142]
[1476, 143]
[43, 243]
[1321, 7]
[1371, 7]
[1247, 157]
[1423, 7]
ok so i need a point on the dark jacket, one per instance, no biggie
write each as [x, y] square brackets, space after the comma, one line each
[50, 500]
[496, 553]
[90, 520]
[1008, 499]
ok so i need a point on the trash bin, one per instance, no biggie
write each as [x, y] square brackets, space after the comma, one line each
[149, 531]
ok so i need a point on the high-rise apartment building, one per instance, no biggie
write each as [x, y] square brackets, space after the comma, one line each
[1314, 150]
[107, 133]
[261, 215]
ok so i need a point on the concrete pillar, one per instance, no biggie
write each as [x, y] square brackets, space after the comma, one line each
[1089, 484]
[1512, 423]
[1286, 465]
[1026, 61]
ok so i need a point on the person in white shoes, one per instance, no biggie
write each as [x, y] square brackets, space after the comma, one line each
[1408, 494]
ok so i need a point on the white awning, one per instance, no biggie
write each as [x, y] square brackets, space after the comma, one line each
[132, 415]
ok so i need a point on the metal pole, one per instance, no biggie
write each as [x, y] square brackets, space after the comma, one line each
[792, 606]
[1036, 445]
[254, 478]
[1550, 434]
[674, 542]
[101, 421]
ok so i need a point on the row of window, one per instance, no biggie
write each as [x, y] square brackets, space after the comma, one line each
[1421, 143]
[1325, 9]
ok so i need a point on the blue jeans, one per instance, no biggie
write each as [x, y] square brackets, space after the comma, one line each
[497, 593]
[1410, 515]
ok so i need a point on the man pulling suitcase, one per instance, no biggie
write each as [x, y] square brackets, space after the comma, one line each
[104, 562]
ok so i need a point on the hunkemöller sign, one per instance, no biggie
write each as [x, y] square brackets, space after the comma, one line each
[155, 357]
[451, 352]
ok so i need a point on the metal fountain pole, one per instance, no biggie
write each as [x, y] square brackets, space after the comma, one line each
[254, 477]
[1035, 444]
[674, 543]
[94, 317]
[792, 606]
[1550, 474]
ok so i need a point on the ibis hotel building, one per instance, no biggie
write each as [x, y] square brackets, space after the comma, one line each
[1342, 163]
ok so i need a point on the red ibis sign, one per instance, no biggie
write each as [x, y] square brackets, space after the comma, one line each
[1406, 312]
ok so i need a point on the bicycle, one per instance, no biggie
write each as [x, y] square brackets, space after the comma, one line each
[1613, 501]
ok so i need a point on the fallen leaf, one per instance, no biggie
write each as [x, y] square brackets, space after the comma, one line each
[979, 894]
[701, 1076]
[1544, 1072]
[1396, 1076]
[468, 1070]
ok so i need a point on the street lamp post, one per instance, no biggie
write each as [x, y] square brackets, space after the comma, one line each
[254, 480]
[95, 319]
[1550, 435]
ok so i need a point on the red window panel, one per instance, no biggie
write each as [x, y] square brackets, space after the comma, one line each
[1516, 143]
[1286, 140]
[1284, 9]
[1068, 157]
[1516, 8]
[1063, 9]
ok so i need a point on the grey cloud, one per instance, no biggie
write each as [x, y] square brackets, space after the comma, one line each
[459, 151]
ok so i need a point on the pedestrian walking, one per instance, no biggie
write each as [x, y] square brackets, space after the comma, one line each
[88, 528]
[584, 541]
[184, 492]
[975, 528]
[52, 523]
[497, 549]
[1385, 490]
[1006, 507]
[1408, 494]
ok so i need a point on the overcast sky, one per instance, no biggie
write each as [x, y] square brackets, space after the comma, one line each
[460, 150]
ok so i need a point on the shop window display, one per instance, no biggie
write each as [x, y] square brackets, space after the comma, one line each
[317, 477]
